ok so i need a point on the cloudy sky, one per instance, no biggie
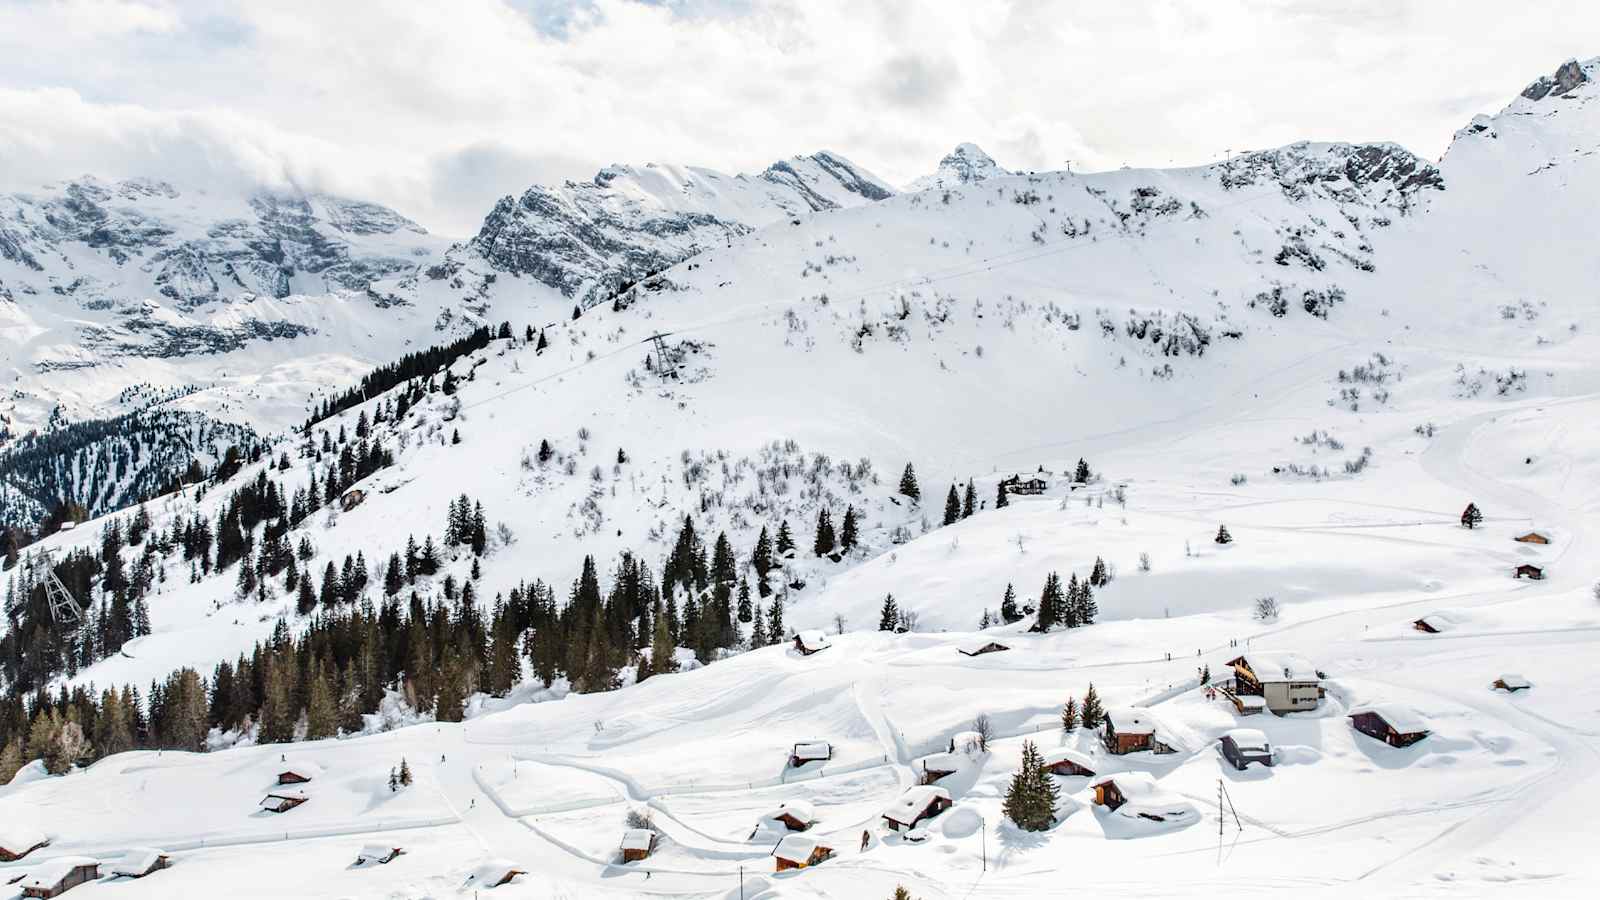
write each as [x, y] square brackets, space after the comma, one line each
[438, 108]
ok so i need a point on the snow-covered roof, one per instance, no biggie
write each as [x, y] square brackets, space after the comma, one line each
[944, 762]
[1064, 754]
[910, 805]
[1437, 622]
[1249, 739]
[1251, 701]
[973, 648]
[798, 847]
[493, 870]
[19, 838]
[305, 768]
[275, 798]
[49, 873]
[813, 639]
[1131, 784]
[638, 839]
[137, 861]
[1130, 720]
[1515, 681]
[1403, 719]
[810, 750]
[799, 809]
[1273, 667]
[377, 852]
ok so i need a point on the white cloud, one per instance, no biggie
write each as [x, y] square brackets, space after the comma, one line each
[437, 108]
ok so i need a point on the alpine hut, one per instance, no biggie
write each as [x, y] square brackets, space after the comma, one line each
[17, 841]
[1069, 762]
[810, 641]
[1129, 730]
[797, 851]
[637, 844]
[59, 875]
[923, 801]
[495, 872]
[298, 771]
[1528, 570]
[809, 752]
[979, 649]
[1243, 746]
[141, 861]
[791, 815]
[377, 854]
[1395, 725]
[1433, 624]
[1512, 683]
[1532, 537]
[283, 801]
[1287, 683]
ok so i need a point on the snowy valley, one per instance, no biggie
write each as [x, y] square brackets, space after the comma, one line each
[794, 536]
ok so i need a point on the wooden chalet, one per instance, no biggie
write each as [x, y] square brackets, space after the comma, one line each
[985, 647]
[495, 872]
[1391, 723]
[1512, 683]
[1432, 624]
[798, 851]
[141, 861]
[377, 854]
[17, 842]
[1532, 537]
[283, 801]
[921, 802]
[1024, 484]
[298, 772]
[1069, 762]
[1129, 730]
[811, 641]
[637, 844]
[792, 815]
[59, 875]
[809, 752]
[1243, 746]
[1528, 570]
[939, 765]
[1113, 791]
[1287, 683]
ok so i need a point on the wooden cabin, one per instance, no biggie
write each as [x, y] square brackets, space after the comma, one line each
[637, 844]
[298, 772]
[1129, 730]
[811, 641]
[1243, 746]
[809, 752]
[985, 647]
[1432, 624]
[798, 851]
[1391, 723]
[495, 872]
[59, 875]
[1113, 791]
[1532, 537]
[1530, 571]
[1024, 484]
[17, 842]
[283, 801]
[377, 854]
[921, 802]
[1512, 683]
[141, 861]
[1287, 683]
[937, 766]
[1068, 762]
[792, 815]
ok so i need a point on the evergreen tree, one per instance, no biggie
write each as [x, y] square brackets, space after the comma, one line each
[1093, 712]
[663, 657]
[969, 502]
[1009, 612]
[758, 631]
[908, 483]
[775, 632]
[889, 615]
[1471, 517]
[1001, 501]
[1069, 716]
[745, 611]
[394, 576]
[1098, 576]
[1052, 604]
[1223, 537]
[849, 532]
[405, 773]
[952, 506]
[1088, 610]
[1031, 798]
[321, 714]
[785, 540]
[1074, 597]
[824, 543]
[1081, 475]
[305, 601]
[761, 561]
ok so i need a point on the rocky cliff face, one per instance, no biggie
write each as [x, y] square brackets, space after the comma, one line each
[966, 164]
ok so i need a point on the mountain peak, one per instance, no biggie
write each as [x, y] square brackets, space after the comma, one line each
[966, 164]
[1567, 76]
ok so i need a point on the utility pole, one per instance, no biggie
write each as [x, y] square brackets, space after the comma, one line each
[741, 881]
[665, 366]
[983, 841]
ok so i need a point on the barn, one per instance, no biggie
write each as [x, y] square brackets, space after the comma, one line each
[141, 861]
[1433, 624]
[59, 875]
[1512, 683]
[298, 771]
[791, 815]
[1395, 725]
[283, 801]
[495, 872]
[1129, 730]
[809, 752]
[637, 844]
[811, 641]
[1532, 537]
[921, 802]
[1069, 762]
[1137, 795]
[1288, 683]
[985, 647]
[17, 841]
[1243, 746]
[377, 854]
[940, 765]
[797, 851]
[1528, 570]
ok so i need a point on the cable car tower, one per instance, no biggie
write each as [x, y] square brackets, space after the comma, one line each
[65, 610]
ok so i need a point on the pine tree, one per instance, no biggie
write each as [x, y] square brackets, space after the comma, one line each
[1009, 612]
[1031, 798]
[908, 483]
[1069, 716]
[889, 616]
[745, 612]
[969, 502]
[952, 506]
[1074, 597]
[849, 533]
[1052, 604]
[1088, 610]
[1223, 537]
[1093, 712]
[1097, 575]
[785, 540]
[321, 714]
[761, 561]
[900, 893]
[758, 631]
[825, 538]
[405, 773]
[1471, 517]
[1001, 501]
[663, 657]
[1081, 475]
[775, 633]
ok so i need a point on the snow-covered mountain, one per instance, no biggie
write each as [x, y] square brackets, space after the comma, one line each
[1328, 348]
[966, 164]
